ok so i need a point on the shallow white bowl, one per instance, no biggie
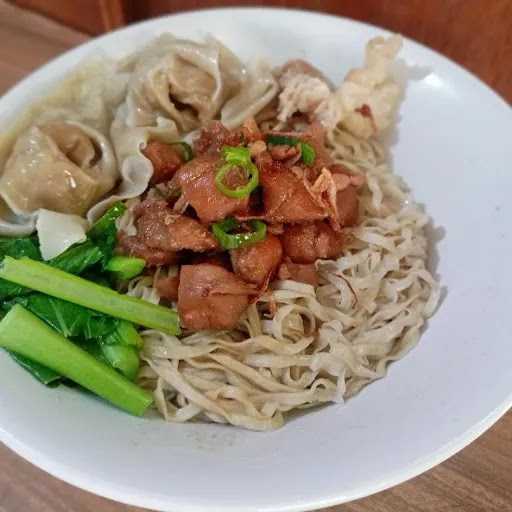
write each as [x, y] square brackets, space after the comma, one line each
[454, 150]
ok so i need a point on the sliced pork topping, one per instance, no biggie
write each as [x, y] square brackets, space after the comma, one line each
[285, 196]
[317, 156]
[215, 136]
[211, 297]
[347, 204]
[165, 158]
[310, 242]
[134, 246]
[160, 228]
[249, 208]
[197, 182]
[257, 263]
[167, 287]
[284, 152]
[303, 273]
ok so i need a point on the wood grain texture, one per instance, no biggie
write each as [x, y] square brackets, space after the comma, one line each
[479, 479]
[90, 16]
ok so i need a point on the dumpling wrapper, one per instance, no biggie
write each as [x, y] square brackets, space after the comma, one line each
[183, 81]
[64, 166]
[59, 231]
[259, 88]
[86, 97]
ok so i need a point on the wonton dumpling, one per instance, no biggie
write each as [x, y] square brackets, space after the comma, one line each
[59, 165]
[183, 81]
[258, 89]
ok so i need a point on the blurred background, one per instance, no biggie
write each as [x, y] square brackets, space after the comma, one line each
[474, 33]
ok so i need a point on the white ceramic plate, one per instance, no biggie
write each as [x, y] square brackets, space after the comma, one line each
[454, 150]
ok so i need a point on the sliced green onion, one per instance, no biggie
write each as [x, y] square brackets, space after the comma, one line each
[125, 267]
[124, 359]
[237, 157]
[282, 140]
[46, 279]
[103, 223]
[221, 231]
[25, 334]
[186, 150]
[307, 151]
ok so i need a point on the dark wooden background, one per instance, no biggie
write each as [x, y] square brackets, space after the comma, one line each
[475, 33]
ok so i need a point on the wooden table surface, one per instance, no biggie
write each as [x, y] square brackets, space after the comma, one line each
[478, 479]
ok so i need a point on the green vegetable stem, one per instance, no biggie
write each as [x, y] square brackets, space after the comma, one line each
[46, 279]
[23, 333]
[307, 152]
[125, 267]
[221, 231]
[237, 157]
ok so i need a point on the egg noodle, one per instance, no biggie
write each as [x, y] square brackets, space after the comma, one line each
[300, 346]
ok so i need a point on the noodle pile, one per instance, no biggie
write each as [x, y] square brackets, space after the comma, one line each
[298, 346]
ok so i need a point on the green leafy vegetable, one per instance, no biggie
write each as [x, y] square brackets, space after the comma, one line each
[221, 231]
[26, 335]
[70, 320]
[307, 151]
[104, 223]
[51, 281]
[121, 349]
[78, 258]
[17, 248]
[108, 339]
[113, 341]
[125, 267]
[124, 334]
[124, 359]
[9, 290]
[104, 232]
[42, 373]
[237, 157]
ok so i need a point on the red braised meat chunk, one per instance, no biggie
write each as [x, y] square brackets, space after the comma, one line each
[197, 181]
[303, 273]
[347, 202]
[315, 137]
[211, 297]
[160, 228]
[133, 246]
[285, 197]
[166, 160]
[310, 242]
[216, 135]
[257, 263]
[167, 287]
[348, 206]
